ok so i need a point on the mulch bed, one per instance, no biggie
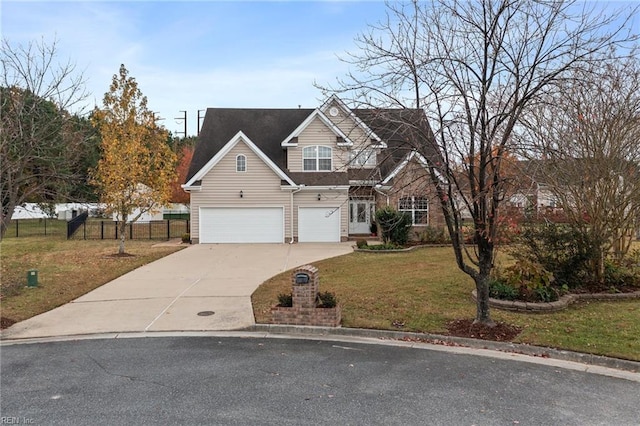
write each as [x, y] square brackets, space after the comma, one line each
[6, 322]
[502, 332]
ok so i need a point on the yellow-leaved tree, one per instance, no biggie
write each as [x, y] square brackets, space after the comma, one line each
[137, 167]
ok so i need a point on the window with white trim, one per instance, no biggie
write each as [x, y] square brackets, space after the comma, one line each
[417, 208]
[241, 163]
[363, 158]
[316, 158]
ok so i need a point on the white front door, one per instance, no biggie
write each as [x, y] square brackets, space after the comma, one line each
[360, 216]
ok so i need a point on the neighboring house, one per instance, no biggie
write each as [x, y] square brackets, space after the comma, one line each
[529, 194]
[62, 211]
[307, 175]
[148, 216]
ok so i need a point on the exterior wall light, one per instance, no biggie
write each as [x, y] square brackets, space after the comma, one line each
[241, 194]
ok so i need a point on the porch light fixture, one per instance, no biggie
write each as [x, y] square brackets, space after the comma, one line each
[319, 196]
[241, 194]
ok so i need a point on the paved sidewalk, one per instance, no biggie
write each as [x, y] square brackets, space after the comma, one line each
[168, 294]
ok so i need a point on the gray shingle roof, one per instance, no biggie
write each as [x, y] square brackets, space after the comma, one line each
[267, 129]
[403, 130]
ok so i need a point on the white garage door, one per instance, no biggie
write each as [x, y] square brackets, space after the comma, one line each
[318, 224]
[241, 225]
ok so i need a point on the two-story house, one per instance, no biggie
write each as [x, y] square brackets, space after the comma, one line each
[307, 175]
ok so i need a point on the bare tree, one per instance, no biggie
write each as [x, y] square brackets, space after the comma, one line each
[40, 140]
[473, 68]
[585, 138]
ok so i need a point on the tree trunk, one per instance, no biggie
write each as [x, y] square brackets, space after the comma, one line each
[6, 220]
[123, 235]
[482, 304]
[485, 264]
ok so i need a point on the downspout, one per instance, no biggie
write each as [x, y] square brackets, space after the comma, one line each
[291, 211]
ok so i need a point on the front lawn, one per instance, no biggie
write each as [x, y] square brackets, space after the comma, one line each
[67, 269]
[424, 290]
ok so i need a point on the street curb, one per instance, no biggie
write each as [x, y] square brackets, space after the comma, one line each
[303, 332]
[515, 348]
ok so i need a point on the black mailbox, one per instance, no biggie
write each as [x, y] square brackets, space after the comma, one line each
[302, 278]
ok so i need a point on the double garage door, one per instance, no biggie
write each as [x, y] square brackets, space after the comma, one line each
[266, 225]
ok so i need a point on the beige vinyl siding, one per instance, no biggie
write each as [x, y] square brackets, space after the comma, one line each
[339, 199]
[317, 133]
[350, 128]
[222, 185]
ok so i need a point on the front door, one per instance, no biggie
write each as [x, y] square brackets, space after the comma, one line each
[360, 216]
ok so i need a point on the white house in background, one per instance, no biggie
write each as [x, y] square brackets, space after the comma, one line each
[173, 208]
[67, 211]
[63, 211]
[146, 217]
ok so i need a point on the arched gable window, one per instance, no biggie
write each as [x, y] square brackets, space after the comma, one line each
[317, 158]
[241, 163]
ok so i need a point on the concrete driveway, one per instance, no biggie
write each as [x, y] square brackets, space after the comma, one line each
[170, 293]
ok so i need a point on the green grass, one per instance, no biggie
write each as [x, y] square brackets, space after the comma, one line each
[425, 290]
[67, 269]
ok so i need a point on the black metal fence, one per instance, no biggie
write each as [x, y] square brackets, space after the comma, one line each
[95, 229]
[154, 230]
[75, 223]
[48, 227]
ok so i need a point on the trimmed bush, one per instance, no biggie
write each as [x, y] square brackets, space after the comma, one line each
[565, 251]
[529, 280]
[285, 300]
[502, 291]
[327, 300]
[621, 275]
[431, 235]
[388, 246]
[394, 226]
[362, 243]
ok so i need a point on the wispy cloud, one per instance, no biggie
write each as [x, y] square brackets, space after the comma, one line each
[193, 55]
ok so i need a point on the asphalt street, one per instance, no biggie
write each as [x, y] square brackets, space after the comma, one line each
[254, 381]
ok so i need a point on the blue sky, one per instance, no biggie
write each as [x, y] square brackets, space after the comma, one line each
[198, 54]
[190, 55]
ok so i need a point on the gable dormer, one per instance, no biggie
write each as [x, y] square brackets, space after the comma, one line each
[316, 116]
[349, 123]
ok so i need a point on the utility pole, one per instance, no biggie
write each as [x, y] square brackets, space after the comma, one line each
[184, 118]
[199, 120]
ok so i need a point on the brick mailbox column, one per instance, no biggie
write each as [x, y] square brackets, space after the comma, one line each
[305, 285]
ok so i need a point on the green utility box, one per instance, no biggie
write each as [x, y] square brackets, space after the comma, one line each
[32, 278]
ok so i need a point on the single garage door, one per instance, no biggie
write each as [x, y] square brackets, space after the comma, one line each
[242, 225]
[318, 224]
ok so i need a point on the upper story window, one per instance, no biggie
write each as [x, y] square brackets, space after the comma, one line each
[417, 208]
[241, 163]
[363, 158]
[316, 158]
